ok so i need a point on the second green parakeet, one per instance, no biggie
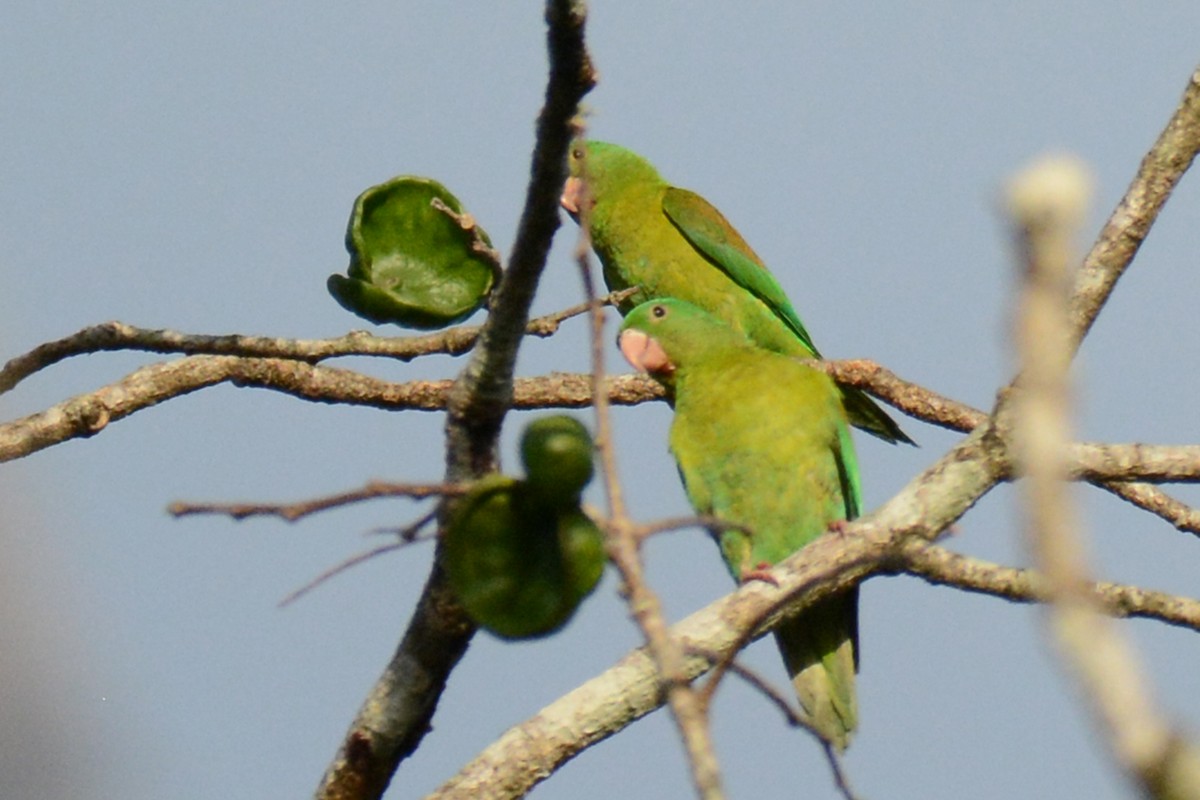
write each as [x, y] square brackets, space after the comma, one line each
[673, 243]
[762, 440]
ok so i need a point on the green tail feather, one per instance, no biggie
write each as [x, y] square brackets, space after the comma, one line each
[820, 649]
[866, 414]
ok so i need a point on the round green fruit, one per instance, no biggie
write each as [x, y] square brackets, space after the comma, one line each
[558, 455]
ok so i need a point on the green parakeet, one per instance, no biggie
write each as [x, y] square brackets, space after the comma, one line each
[673, 243]
[762, 440]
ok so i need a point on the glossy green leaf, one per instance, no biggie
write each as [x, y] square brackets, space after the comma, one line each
[519, 568]
[410, 262]
[558, 455]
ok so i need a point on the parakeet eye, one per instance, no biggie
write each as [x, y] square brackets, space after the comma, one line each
[577, 153]
[659, 311]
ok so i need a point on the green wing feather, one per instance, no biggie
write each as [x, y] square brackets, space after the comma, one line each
[707, 230]
[671, 242]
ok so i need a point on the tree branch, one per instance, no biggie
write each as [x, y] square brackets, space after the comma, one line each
[529, 752]
[1161, 169]
[624, 548]
[1048, 201]
[397, 713]
[111, 336]
[941, 567]
[87, 414]
[1156, 501]
[292, 512]
[914, 400]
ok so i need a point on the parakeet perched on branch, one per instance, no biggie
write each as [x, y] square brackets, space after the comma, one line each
[673, 243]
[762, 440]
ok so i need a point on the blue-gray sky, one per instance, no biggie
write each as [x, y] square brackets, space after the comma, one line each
[192, 166]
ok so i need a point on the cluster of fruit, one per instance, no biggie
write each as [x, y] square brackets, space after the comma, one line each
[522, 554]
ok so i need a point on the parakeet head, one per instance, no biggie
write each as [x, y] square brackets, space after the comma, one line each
[609, 168]
[662, 336]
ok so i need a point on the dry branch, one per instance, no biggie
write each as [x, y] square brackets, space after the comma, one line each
[292, 512]
[1048, 201]
[397, 713]
[111, 336]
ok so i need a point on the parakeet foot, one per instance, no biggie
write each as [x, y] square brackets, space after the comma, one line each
[760, 572]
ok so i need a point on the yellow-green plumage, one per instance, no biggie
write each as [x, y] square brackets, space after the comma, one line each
[762, 440]
[671, 242]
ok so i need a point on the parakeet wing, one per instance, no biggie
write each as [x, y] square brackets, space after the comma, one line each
[709, 232]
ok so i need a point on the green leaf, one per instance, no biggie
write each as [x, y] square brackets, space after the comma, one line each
[410, 262]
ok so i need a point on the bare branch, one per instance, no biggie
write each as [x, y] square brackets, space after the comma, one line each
[109, 336]
[914, 400]
[1160, 170]
[712, 524]
[398, 710]
[1156, 501]
[1142, 462]
[941, 567]
[88, 414]
[1048, 202]
[294, 511]
[353, 561]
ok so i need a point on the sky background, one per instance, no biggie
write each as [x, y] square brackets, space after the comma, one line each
[193, 165]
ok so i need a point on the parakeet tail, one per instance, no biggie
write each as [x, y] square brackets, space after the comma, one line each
[820, 649]
[865, 413]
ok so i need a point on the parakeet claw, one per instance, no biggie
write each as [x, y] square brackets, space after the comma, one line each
[761, 572]
[838, 526]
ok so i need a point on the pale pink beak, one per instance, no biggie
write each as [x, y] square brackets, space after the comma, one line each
[644, 353]
[572, 195]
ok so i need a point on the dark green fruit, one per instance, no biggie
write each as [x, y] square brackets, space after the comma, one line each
[519, 569]
[558, 455]
[583, 553]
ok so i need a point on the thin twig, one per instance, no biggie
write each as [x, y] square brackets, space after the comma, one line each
[341, 567]
[1156, 501]
[295, 511]
[794, 718]
[941, 567]
[407, 535]
[110, 336]
[624, 548]
[714, 525]
[479, 244]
